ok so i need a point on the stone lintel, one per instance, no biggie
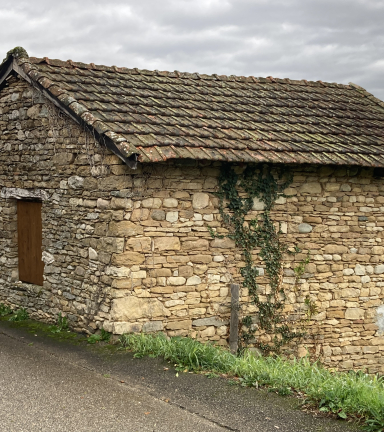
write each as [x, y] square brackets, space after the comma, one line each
[18, 193]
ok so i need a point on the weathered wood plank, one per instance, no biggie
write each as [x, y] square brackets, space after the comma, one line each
[234, 325]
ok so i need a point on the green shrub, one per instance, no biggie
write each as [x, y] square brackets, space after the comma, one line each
[61, 325]
[105, 336]
[4, 310]
[19, 315]
[348, 394]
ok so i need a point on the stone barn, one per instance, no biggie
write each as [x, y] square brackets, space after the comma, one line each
[108, 178]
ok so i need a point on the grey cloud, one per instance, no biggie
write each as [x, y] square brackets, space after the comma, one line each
[331, 40]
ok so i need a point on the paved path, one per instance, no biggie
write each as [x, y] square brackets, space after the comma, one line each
[46, 385]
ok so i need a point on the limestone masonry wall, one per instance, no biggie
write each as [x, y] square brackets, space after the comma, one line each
[129, 250]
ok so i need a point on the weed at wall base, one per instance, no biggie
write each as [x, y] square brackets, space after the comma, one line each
[19, 315]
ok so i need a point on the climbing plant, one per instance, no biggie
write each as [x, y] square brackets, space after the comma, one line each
[262, 236]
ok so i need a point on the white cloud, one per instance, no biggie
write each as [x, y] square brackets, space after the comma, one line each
[331, 40]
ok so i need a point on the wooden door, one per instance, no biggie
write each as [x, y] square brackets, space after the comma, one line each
[29, 232]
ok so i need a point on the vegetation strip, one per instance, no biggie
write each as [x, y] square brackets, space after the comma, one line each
[353, 395]
[350, 395]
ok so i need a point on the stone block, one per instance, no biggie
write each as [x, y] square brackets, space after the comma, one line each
[199, 245]
[179, 325]
[378, 250]
[305, 228]
[332, 187]
[200, 201]
[92, 254]
[176, 280]
[335, 249]
[310, 188]
[193, 280]
[140, 274]
[132, 308]
[76, 182]
[128, 258]
[211, 321]
[365, 209]
[350, 293]
[126, 327]
[370, 349]
[281, 200]
[379, 269]
[203, 259]
[139, 244]
[312, 219]
[258, 205]
[302, 352]
[153, 326]
[224, 243]
[104, 257]
[162, 272]
[151, 203]
[126, 283]
[162, 290]
[113, 183]
[351, 349]
[33, 112]
[186, 214]
[327, 351]
[166, 243]
[208, 332]
[120, 272]
[360, 270]
[102, 204]
[377, 341]
[185, 271]
[158, 215]
[124, 229]
[140, 214]
[121, 203]
[63, 158]
[172, 216]
[111, 244]
[345, 187]
[222, 331]
[354, 313]
[170, 202]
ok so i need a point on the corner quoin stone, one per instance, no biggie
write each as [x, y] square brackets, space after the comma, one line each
[128, 258]
[132, 308]
[124, 229]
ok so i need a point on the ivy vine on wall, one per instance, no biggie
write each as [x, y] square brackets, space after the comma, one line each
[262, 236]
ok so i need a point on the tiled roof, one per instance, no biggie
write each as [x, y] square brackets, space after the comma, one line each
[167, 115]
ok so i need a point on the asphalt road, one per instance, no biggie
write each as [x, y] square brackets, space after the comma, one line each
[46, 385]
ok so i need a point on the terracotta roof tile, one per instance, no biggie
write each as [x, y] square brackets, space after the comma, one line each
[166, 115]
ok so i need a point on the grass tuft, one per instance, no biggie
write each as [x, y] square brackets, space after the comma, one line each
[19, 315]
[4, 310]
[351, 394]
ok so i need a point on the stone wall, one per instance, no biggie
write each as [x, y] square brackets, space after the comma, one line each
[130, 250]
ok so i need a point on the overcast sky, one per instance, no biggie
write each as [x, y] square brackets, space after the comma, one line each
[330, 40]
